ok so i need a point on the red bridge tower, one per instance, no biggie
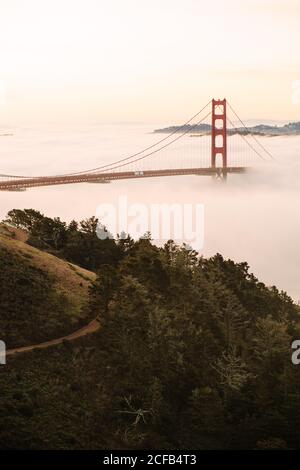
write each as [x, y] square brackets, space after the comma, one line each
[219, 136]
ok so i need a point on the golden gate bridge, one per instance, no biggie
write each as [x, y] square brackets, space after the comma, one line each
[217, 155]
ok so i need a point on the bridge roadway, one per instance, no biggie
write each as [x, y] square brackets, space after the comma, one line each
[21, 184]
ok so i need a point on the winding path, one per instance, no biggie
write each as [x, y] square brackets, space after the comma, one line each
[94, 325]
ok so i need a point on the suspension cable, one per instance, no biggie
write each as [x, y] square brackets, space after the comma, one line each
[253, 136]
[244, 138]
[175, 131]
[157, 150]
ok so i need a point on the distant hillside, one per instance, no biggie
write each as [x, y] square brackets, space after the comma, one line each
[41, 297]
[293, 128]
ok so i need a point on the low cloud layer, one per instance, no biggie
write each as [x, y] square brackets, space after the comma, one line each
[254, 217]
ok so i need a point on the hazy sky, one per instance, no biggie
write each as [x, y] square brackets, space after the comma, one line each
[146, 61]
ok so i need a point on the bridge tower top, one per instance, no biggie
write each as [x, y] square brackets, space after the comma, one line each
[219, 133]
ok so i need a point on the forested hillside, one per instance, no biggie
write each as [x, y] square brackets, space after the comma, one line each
[76, 242]
[192, 353]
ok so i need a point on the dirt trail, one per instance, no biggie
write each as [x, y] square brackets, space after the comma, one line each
[94, 325]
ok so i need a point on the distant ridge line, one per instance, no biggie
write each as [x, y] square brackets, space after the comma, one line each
[293, 128]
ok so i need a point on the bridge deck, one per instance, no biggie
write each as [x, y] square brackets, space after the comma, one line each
[24, 183]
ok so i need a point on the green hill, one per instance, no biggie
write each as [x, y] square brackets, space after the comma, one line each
[192, 353]
[41, 296]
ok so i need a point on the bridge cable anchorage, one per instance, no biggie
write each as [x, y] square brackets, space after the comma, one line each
[249, 132]
[91, 170]
[244, 138]
[156, 150]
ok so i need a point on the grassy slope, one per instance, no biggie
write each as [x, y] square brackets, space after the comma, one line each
[50, 293]
[71, 280]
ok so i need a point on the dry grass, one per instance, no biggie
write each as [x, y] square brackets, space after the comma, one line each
[70, 279]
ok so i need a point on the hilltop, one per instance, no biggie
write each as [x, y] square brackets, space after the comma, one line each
[293, 128]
